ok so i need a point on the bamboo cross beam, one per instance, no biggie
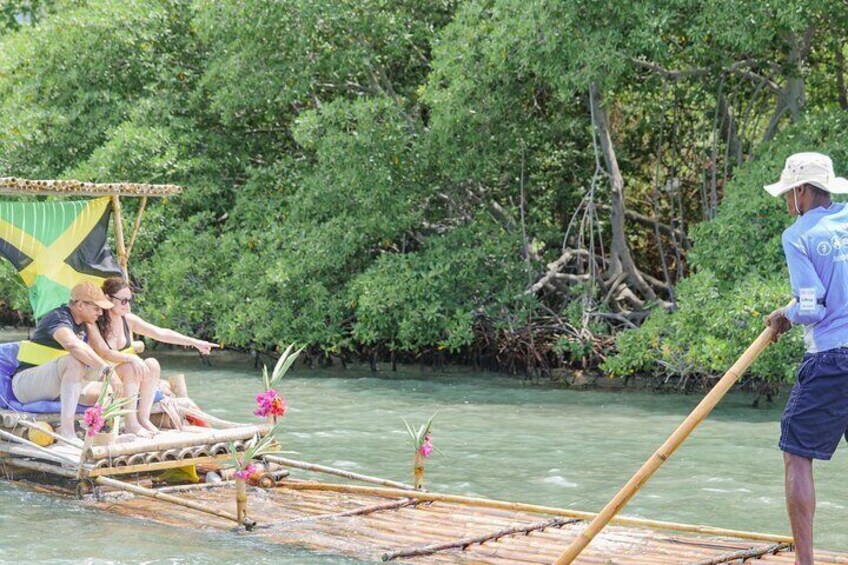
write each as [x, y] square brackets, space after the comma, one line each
[13, 438]
[523, 507]
[153, 493]
[73, 442]
[18, 451]
[41, 467]
[666, 449]
[742, 556]
[338, 472]
[164, 441]
[465, 542]
[404, 503]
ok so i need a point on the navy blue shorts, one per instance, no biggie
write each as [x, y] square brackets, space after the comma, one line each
[816, 414]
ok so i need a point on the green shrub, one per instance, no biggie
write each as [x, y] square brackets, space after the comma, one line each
[740, 274]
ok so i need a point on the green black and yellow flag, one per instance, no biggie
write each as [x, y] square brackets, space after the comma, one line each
[56, 245]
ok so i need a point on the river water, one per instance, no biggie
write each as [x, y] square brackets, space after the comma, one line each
[501, 439]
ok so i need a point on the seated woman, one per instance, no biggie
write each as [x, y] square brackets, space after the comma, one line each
[111, 339]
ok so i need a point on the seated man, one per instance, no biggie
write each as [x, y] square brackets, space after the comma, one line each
[61, 336]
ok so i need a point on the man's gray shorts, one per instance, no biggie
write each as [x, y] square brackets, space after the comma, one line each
[38, 383]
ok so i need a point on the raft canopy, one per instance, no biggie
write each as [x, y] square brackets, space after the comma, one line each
[56, 244]
[18, 186]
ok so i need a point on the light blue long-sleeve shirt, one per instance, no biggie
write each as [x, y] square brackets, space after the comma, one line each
[816, 249]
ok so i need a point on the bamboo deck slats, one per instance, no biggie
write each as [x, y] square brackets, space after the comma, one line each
[367, 527]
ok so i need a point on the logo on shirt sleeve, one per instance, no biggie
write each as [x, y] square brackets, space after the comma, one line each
[824, 248]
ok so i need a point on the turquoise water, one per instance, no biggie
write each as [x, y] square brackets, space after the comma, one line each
[501, 439]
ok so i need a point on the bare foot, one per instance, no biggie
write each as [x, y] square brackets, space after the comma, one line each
[139, 431]
[150, 427]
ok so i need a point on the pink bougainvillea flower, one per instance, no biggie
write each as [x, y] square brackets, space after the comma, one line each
[427, 447]
[245, 473]
[93, 420]
[270, 403]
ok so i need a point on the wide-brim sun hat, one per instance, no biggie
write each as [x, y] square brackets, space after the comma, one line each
[808, 168]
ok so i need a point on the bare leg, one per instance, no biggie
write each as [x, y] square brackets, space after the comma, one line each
[71, 373]
[801, 504]
[131, 384]
[149, 384]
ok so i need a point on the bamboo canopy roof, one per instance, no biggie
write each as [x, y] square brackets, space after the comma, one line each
[13, 185]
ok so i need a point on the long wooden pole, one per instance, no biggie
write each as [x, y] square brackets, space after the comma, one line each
[666, 449]
[58, 437]
[184, 440]
[337, 472]
[152, 493]
[123, 260]
[523, 507]
[136, 226]
[12, 437]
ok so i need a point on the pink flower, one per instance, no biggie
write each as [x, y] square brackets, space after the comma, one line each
[93, 420]
[270, 403]
[246, 472]
[427, 447]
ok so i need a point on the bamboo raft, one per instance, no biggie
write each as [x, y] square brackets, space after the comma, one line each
[413, 527]
[384, 520]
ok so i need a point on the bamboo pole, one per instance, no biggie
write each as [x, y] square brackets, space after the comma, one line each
[418, 470]
[666, 449]
[58, 437]
[155, 466]
[241, 500]
[137, 226]
[465, 542]
[86, 446]
[338, 472]
[26, 451]
[523, 507]
[42, 467]
[123, 258]
[17, 439]
[208, 436]
[403, 503]
[742, 556]
[152, 493]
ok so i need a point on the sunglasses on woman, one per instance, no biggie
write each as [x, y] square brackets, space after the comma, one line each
[123, 301]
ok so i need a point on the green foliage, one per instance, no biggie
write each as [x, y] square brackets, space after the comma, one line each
[745, 235]
[431, 297]
[711, 329]
[353, 173]
[741, 273]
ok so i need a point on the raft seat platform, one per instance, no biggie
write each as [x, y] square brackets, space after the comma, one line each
[193, 445]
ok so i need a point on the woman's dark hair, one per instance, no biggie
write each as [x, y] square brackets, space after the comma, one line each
[110, 287]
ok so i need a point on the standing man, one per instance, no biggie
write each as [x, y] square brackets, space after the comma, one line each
[816, 249]
[58, 362]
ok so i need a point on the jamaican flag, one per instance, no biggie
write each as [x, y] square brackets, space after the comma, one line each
[56, 245]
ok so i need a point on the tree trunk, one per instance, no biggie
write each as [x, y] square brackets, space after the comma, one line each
[621, 260]
[840, 75]
[793, 95]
